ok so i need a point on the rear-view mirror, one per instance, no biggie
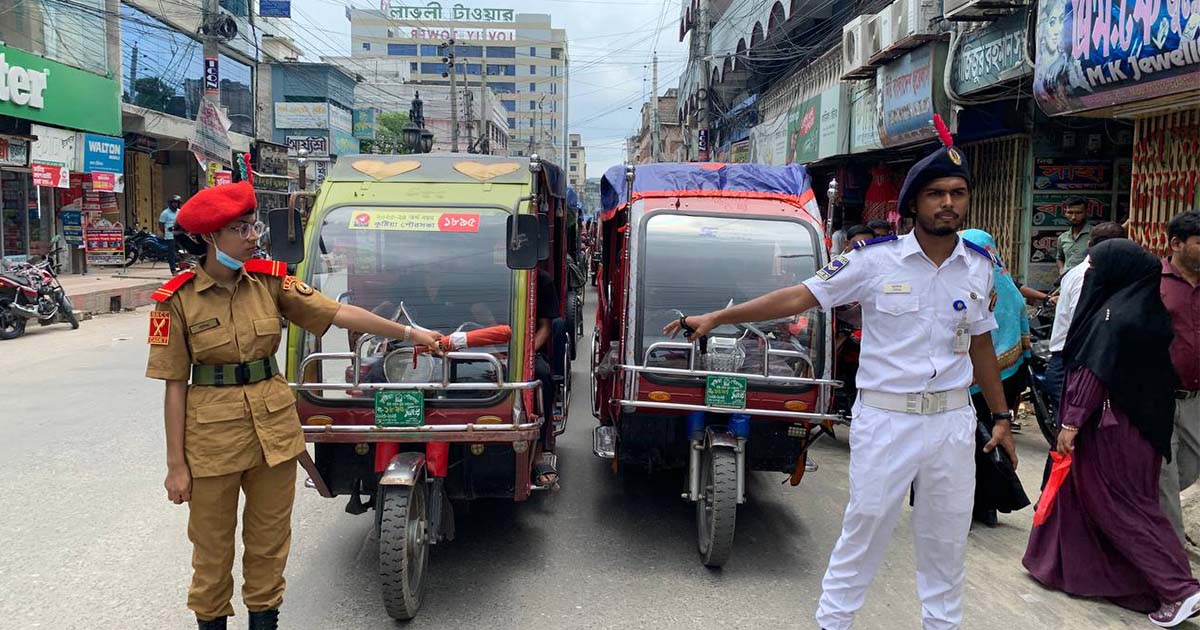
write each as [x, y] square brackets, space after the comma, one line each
[543, 252]
[522, 236]
[286, 234]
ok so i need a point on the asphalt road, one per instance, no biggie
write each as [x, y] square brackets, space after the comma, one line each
[90, 542]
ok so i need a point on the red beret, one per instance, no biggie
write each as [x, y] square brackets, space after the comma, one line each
[214, 208]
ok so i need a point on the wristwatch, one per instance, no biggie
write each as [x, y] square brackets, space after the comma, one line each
[1002, 415]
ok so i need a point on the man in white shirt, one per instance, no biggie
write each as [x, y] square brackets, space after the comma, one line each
[926, 337]
[1068, 296]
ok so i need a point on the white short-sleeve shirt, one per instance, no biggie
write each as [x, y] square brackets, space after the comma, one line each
[910, 310]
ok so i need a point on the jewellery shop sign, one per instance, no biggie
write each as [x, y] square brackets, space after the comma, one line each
[1093, 54]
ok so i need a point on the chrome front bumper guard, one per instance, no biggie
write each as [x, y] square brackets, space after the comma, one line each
[764, 379]
[518, 423]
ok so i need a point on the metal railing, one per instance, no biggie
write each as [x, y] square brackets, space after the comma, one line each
[765, 378]
[444, 385]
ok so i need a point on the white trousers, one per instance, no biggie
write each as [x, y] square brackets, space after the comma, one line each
[888, 451]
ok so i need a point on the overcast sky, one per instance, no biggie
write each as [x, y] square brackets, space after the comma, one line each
[610, 46]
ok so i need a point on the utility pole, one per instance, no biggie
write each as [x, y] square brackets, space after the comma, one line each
[484, 136]
[448, 59]
[654, 128]
[701, 32]
[467, 102]
[566, 110]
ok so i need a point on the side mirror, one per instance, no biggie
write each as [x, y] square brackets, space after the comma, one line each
[521, 239]
[287, 235]
[543, 252]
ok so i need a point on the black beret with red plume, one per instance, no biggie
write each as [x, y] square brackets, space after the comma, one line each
[945, 162]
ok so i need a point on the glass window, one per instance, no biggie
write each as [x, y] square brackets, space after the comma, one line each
[366, 45]
[164, 69]
[448, 281]
[412, 66]
[556, 53]
[531, 123]
[574, 155]
[758, 256]
[402, 49]
[433, 68]
[554, 88]
[533, 51]
[572, 168]
[532, 86]
[512, 123]
[69, 32]
[501, 52]
[430, 50]
[240, 8]
[502, 87]
[510, 105]
[533, 105]
[532, 69]
[468, 51]
[473, 68]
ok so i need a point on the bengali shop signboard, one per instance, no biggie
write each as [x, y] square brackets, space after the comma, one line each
[864, 130]
[991, 55]
[1069, 174]
[804, 131]
[1049, 211]
[1093, 54]
[911, 93]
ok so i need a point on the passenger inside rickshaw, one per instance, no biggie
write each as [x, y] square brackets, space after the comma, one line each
[742, 258]
[548, 346]
[447, 281]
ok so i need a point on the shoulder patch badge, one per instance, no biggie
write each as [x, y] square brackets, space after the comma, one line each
[836, 264]
[293, 283]
[160, 328]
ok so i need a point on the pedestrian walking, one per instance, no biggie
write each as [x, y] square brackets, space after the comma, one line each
[1069, 289]
[926, 323]
[167, 219]
[1180, 291]
[1073, 243]
[1107, 536]
[234, 427]
[997, 487]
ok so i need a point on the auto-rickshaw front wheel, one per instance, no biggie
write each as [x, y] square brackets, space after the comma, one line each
[403, 548]
[716, 511]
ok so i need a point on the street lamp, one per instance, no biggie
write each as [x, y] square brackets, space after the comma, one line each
[416, 136]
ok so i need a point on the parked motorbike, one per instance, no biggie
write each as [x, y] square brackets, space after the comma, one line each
[32, 291]
[144, 245]
[1038, 394]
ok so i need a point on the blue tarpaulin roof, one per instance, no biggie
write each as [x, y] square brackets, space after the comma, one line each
[791, 179]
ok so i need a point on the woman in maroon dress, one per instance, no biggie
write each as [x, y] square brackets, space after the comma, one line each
[1107, 536]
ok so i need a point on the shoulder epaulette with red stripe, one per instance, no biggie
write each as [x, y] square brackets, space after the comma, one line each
[164, 293]
[276, 268]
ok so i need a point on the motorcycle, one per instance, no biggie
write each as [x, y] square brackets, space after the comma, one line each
[32, 291]
[143, 245]
[1040, 326]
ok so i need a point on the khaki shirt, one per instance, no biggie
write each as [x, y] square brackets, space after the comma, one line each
[228, 427]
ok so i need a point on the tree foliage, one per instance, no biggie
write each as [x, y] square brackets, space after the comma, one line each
[389, 135]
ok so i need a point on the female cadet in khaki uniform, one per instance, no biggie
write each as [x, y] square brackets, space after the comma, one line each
[235, 426]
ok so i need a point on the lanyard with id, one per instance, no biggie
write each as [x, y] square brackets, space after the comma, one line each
[962, 330]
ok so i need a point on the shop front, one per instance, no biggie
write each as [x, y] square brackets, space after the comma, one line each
[1136, 67]
[45, 106]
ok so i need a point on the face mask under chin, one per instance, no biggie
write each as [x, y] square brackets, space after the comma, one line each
[225, 259]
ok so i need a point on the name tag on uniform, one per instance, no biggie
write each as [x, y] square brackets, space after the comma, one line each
[897, 287]
[207, 324]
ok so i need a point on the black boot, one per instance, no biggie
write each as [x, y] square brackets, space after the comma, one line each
[215, 624]
[264, 620]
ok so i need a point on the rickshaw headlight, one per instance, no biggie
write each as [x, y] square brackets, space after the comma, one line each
[477, 449]
[724, 355]
[520, 447]
[362, 448]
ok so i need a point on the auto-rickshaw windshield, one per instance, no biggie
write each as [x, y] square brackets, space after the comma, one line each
[695, 264]
[447, 266]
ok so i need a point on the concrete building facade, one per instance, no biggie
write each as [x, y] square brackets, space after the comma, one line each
[522, 58]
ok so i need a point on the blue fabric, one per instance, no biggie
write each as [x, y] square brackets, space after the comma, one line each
[871, 241]
[791, 179]
[1013, 332]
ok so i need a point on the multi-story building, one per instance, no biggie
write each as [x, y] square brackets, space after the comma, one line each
[576, 163]
[670, 140]
[521, 56]
[384, 86]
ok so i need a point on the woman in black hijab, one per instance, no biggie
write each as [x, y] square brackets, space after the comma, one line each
[1107, 535]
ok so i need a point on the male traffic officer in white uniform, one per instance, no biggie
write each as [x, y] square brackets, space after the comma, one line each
[926, 320]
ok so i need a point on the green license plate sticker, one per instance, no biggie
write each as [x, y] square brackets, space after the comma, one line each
[399, 408]
[728, 392]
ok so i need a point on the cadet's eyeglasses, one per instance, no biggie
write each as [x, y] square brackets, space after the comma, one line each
[249, 230]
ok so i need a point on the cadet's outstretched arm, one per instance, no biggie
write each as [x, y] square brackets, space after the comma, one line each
[361, 320]
[787, 301]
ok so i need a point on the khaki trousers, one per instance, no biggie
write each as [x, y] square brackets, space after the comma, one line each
[1184, 468]
[266, 535]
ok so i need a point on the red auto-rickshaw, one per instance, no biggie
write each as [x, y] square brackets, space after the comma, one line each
[684, 239]
[450, 243]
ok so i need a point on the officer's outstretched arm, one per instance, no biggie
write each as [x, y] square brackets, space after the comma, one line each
[774, 305]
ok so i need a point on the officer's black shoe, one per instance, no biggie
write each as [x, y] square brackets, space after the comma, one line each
[215, 624]
[264, 620]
